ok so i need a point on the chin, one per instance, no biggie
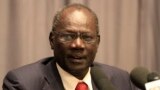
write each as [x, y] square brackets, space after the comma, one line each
[78, 68]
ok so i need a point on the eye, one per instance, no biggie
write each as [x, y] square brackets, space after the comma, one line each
[88, 37]
[66, 36]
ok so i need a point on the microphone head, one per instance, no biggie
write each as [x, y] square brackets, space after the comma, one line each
[139, 77]
[153, 76]
[100, 79]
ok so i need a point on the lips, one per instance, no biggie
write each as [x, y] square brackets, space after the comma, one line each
[76, 58]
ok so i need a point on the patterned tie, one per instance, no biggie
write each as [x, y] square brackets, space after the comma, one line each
[82, 86]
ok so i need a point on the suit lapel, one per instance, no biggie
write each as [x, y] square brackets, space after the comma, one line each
[52, 80]
[94, 86]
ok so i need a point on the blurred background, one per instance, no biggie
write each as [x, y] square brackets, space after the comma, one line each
[130, 32]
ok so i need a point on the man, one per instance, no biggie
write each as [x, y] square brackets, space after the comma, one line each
[74, 39]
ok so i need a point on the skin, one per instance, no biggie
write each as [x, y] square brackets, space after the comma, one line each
[77, 56]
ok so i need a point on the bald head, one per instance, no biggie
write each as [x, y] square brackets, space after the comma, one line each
[76, 13]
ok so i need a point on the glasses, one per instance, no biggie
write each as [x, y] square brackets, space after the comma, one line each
[69, 37]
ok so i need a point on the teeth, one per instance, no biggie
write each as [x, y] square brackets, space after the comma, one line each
[77, 58]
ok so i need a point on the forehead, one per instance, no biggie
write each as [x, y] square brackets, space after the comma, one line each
[77, 17]
[77, 14]
[73, 19]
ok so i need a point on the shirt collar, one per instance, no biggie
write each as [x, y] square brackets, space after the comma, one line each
[69, 81]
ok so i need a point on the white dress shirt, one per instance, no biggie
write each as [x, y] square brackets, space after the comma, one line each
[70, 82]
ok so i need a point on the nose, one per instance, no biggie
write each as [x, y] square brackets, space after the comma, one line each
[78, 43]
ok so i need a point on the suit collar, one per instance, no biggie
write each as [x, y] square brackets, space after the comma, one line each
[52, 78]
[51, 75]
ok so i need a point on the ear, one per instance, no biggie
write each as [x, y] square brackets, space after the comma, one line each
[98, 40]
[51, 39]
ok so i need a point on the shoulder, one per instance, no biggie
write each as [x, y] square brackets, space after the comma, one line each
[26, 75]
[33, 68]
[110, 70]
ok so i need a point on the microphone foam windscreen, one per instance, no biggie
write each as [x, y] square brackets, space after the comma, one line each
[139, 77]
[101, 80]
[153, 76]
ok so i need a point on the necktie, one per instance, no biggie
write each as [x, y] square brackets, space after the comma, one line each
[82, 86]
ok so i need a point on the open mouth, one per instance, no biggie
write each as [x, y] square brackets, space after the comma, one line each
[76, 59]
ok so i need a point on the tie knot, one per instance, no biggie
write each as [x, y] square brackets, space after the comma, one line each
[81, 86]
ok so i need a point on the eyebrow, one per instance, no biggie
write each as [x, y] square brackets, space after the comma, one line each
[74, 30]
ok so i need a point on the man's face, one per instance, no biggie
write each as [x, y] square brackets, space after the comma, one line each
[75, 42]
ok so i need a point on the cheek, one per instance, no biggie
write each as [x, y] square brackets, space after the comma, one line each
[92, 50]
[58, 47]
[61, 48]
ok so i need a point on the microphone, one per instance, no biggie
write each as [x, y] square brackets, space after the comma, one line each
[100, 79]
[141, 77]
[153, 76]
[153, 81]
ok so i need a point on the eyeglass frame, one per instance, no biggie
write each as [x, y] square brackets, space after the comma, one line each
[76, 35]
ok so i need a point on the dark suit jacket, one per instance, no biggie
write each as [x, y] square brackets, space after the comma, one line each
[43, 75]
